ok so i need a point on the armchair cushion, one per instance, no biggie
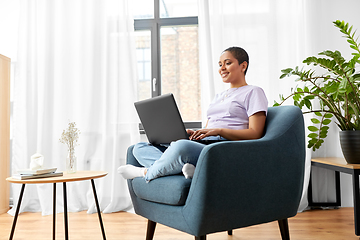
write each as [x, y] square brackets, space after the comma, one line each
[172, 190]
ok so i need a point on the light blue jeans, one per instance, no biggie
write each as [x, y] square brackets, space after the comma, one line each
[162, 161]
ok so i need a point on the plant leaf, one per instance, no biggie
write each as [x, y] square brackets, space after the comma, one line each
[313, 128]
[326, 121]
[308, 103]
[328, 115]
[313, 135]
[315, 120]
[318, 144]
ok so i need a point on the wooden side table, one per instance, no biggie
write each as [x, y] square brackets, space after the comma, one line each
[339, 165]
[78, 176]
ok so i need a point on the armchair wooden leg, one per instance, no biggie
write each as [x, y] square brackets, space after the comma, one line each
[150, 230]
[284, 229]
[200, 238]
[230, 232]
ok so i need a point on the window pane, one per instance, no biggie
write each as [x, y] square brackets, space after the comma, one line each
[178, 8]
[143, 51]
[180, 69]
[142, 9]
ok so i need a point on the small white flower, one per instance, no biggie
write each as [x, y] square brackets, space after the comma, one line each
[70, 136]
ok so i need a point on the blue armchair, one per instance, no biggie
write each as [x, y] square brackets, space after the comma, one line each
[236, 183]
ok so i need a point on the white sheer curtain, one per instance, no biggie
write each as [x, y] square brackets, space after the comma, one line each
[272, 32]
[277, 34]
[76, 62]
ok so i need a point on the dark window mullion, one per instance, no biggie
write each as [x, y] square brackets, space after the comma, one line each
[147, 24]
[178, 21]
[143, 24]
[156, 54]
[155, 60]
[157, 9]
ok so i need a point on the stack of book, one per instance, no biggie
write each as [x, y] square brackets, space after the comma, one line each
[24, 174]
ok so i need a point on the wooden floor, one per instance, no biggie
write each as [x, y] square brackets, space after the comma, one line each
[313, 224]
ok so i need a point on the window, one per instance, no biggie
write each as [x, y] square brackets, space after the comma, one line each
[144, 63]
[166, 35]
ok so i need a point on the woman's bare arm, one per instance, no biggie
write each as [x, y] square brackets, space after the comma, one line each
[255, 130]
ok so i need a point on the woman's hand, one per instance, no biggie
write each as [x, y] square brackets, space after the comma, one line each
[190, 132]
[205, 132]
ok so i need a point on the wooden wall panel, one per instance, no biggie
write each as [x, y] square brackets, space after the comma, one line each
[4, 132]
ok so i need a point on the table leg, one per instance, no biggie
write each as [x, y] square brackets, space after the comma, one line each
[309, 196]
[98, 209]
[335, 204]
[356, 202]
[17, 212]
[65, 213]
[338, 190]
[54, 210]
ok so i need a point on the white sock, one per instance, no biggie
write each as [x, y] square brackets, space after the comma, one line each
[188, 170]
[129, 171]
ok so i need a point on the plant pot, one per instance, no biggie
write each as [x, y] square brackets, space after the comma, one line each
[350, 145]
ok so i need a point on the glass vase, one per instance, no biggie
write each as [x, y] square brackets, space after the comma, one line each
[71, 161]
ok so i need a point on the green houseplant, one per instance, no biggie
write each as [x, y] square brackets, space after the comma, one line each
[333, 93]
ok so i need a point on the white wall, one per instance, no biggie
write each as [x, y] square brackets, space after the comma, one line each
[323, 35]
[9, 14]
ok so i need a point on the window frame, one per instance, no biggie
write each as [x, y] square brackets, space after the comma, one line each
[154, 25]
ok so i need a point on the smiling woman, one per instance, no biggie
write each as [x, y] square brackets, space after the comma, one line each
[238, 113]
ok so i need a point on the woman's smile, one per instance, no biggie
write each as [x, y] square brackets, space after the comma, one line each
[224, 74]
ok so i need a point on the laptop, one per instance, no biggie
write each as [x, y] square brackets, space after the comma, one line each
[162, 121]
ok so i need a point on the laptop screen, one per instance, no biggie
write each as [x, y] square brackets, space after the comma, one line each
[161, 119]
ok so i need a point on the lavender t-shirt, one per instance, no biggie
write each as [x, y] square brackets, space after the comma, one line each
[232, 108]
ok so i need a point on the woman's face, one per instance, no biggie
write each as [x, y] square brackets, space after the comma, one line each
[230, 70]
